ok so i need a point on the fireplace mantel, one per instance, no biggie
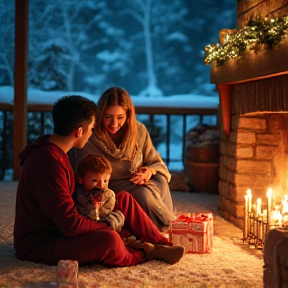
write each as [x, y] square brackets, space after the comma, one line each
[250, 67]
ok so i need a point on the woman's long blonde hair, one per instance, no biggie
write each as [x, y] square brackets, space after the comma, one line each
[111, 97]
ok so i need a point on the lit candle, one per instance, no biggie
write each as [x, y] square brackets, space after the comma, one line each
[285, 220]
[276, 218]
[253, 210]
[280, 219]
[254, 223]
[285, 204]
[246, 202]
[260, 227]
[269, 200]
[245, 230]
[258, 208]
[249, 194]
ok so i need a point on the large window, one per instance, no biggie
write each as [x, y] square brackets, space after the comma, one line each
[151, 48]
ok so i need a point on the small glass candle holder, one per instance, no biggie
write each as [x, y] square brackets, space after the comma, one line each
[96, 212]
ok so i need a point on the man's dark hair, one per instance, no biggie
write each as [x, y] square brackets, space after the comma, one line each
[70, 112]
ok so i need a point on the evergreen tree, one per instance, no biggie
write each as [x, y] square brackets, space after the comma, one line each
[157, 37]
[66, 30]
[49, 71]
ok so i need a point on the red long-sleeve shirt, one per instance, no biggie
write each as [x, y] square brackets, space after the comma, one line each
[44, 205]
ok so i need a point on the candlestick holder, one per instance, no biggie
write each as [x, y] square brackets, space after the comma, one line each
[258, 222]
[257, 229]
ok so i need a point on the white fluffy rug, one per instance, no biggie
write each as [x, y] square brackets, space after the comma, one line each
[229, 265]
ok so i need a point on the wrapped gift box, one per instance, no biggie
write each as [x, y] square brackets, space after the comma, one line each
[194, 231]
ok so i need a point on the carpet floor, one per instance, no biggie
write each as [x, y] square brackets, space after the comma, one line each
[229, 265]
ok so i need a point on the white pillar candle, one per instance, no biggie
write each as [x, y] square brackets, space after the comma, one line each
[269, 206]
[258, 207]
[249, 194]
[277, 218]
[285, 204]
[246, 221]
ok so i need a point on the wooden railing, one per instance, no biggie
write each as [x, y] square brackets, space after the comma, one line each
[6, 115]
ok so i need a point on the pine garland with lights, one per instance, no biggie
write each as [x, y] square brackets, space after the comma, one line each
[258, 34]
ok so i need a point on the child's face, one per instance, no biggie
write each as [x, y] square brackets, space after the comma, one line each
[95, 180]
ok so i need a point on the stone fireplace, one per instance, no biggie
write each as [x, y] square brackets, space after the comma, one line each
[254, 154]
[253, 95]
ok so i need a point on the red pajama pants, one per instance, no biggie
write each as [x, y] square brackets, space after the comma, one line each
[105, 246]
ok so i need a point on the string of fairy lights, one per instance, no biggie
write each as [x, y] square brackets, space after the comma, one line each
[258, 34]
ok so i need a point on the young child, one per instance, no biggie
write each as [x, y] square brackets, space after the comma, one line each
[92, 197]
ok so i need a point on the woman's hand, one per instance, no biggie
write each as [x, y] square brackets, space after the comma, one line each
[142, 176]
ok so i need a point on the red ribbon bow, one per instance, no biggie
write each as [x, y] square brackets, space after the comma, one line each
[198, 217]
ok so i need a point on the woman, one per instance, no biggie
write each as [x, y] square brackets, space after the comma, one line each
[137, 166]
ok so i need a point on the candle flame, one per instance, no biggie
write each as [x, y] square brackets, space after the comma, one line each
[249, 192]
[269, 192]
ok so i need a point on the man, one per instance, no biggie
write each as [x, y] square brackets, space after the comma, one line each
[48, 227]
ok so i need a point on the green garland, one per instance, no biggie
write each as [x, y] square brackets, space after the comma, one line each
[259, 33]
